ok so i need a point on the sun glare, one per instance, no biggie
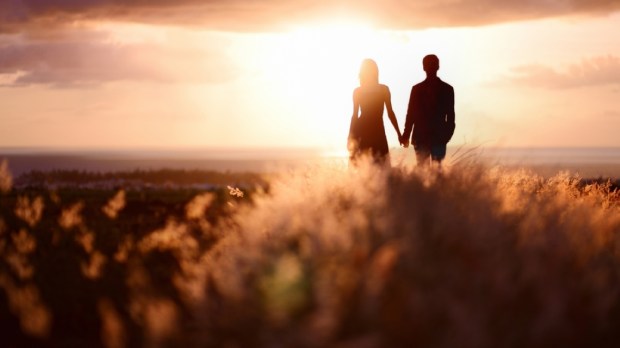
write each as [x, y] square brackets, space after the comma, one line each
[296, 86]
[315, 69]
[320, 57]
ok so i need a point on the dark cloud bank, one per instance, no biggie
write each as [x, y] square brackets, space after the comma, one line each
[15, 15]
[78, 63]
[38, 42]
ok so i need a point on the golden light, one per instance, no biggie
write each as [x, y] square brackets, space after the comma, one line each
[311, 73]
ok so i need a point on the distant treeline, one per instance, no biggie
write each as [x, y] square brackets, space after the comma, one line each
[153, 177]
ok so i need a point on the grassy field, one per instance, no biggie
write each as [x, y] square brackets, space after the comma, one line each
[321, 257]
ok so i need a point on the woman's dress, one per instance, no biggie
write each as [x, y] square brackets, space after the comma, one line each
[370, 129]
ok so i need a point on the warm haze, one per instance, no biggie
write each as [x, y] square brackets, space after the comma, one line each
[118, 74]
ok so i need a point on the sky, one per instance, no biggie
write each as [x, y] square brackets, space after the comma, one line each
[114, 74]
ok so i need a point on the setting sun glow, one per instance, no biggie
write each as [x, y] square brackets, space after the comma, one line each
[313, 70]
[287, 81]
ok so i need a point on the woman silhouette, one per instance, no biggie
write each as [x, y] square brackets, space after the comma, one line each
[367, 134]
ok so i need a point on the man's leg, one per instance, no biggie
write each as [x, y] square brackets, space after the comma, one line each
[422, 154]
[438, 153]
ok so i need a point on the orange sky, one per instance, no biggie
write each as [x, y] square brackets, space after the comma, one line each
[113, 74]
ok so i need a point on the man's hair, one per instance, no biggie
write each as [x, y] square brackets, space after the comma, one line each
[430, 63]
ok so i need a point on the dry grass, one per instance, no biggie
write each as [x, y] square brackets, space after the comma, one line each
[327, 257]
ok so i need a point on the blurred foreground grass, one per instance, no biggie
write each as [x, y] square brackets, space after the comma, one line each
[321, 257]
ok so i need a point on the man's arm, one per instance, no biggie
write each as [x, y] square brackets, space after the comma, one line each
[450, 115]
[410, 116]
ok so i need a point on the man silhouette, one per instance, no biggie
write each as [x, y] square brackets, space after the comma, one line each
[430, 115]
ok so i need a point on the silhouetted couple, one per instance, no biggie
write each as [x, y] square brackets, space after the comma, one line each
[430, 115]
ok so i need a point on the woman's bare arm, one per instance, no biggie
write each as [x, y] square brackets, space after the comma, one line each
[356, 103]
[351, 143]
[390, 111]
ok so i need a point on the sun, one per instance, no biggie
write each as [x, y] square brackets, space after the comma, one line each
[314, 69]
[310, 56]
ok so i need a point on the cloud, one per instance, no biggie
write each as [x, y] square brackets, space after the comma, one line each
[596, 71]
[53, 42]
[67, 63]
[612, 114]
[16, 15]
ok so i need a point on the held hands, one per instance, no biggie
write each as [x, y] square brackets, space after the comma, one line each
[403, 141]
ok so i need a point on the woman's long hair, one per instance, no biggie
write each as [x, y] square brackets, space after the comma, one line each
[369, 73]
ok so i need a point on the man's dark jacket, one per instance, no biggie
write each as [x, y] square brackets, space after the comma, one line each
[430, 113]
